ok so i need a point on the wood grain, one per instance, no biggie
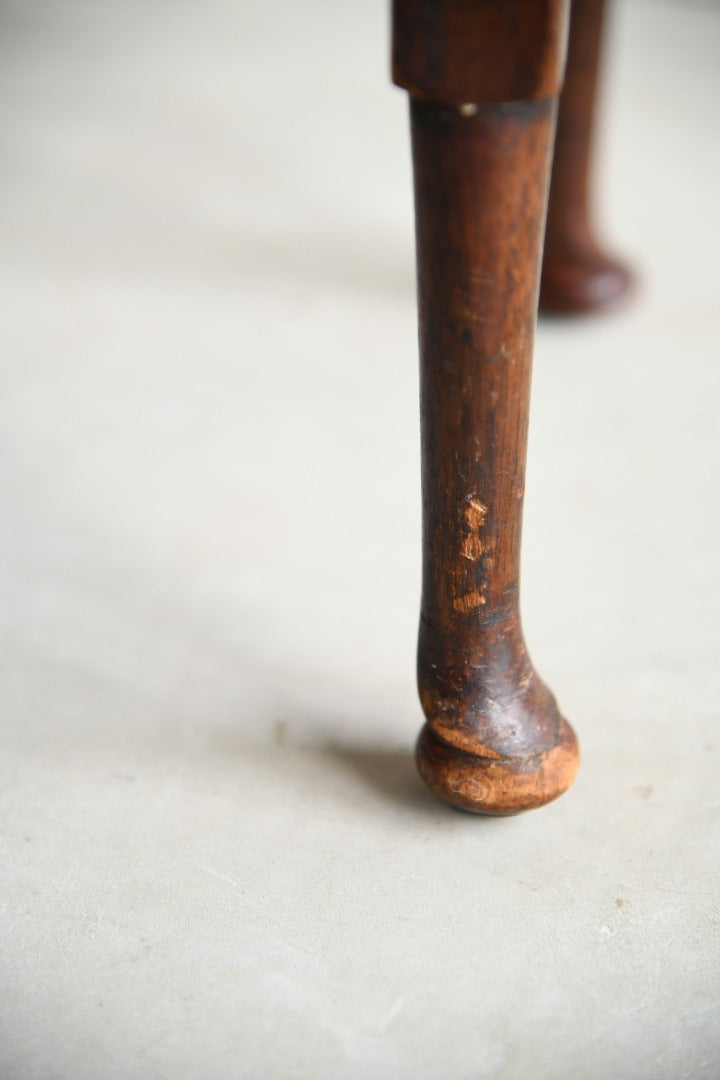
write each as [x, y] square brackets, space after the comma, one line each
[494, 741]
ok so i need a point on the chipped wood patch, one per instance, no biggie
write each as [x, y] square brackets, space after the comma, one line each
[475, 514]
[469, 602]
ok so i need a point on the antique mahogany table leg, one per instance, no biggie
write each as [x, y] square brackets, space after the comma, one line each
[577, 274]
[483, 79]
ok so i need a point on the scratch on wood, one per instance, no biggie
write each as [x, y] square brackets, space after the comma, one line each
[475, 514]
[473, 316]
[471, 547]
[469, 601]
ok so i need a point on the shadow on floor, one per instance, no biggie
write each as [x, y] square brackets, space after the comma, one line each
[390, 773]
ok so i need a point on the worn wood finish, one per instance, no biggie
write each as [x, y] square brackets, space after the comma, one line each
[457, 51]
[578, 275]
[494, 741]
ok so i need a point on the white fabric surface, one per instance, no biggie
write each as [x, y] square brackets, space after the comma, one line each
[217, 861]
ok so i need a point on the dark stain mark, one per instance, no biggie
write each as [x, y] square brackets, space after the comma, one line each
[280, 731]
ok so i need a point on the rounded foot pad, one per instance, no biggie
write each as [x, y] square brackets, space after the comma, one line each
[497, 785]
[576, 283]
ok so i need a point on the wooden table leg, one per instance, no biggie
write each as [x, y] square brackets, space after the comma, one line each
[578, 275]
[494, 741]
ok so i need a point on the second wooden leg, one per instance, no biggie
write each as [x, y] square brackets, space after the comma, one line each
[578, 275]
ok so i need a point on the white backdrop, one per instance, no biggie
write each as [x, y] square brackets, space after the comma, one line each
[216, 860]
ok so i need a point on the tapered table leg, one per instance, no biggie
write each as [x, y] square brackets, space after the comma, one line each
[494, 741]
[578, 275]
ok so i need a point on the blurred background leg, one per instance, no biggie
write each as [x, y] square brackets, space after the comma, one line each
[578, 275]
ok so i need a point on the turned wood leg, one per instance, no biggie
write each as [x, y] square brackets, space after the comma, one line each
[578, 275]
[494, 741]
